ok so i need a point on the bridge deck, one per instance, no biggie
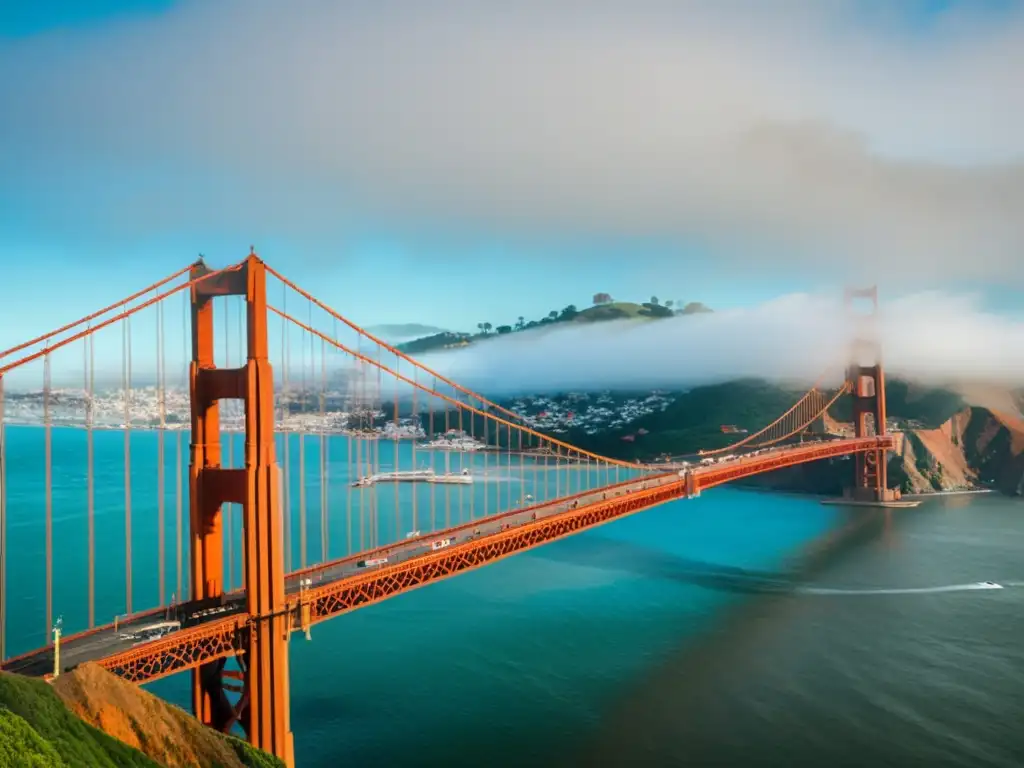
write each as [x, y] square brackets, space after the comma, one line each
[343, 585]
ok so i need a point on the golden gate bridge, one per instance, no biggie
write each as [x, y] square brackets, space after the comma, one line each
[457, 483]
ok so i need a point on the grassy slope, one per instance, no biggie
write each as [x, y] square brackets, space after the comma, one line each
[36, 719]
[617, 310]
[694, 420]
[37, 727]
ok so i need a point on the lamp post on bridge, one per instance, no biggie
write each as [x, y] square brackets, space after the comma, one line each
[304, 612]
[56, 646]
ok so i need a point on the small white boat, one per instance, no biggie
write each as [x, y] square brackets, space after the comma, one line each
[452, 478]
[454, 442]
[405, 476]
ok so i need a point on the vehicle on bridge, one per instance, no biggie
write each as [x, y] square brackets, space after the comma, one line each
[152, 632]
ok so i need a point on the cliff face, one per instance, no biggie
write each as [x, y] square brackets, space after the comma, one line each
[975, 448]
[164, 733]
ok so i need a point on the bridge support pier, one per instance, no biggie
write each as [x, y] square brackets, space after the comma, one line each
[263, 709]
[867, 388]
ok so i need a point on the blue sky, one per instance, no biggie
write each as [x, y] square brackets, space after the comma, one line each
[707, 154]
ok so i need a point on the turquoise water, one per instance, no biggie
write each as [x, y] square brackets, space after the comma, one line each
[528, 653]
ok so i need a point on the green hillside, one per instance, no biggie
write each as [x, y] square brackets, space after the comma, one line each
[617, 310]
[37, 730]
[694, 419]
[39, 727]
[608, 310]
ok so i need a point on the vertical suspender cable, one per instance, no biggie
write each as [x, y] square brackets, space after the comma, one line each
[302, 456]
[3, 528]
[90, 460]
[415, 437]
[126, 356]
[49, 493]
[312, 358]
[522, 469]
[486, 450]
[285, 426]
[378, 407]
[361, 446]
[178, 515]
[472, 462]
[430, 439]
[349, 407]
[323, 451]
[447, 469]
[161, 397]
[394, 448]
[179, 493]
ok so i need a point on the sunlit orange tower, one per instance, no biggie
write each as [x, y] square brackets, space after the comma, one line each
[263, 708]
[866, 379]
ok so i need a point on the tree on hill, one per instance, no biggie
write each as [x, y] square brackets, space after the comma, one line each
[695, 308]
[569, 312]
[602, 298]
[501, 330]
[652, 309]
[520, 323]
[654, 300]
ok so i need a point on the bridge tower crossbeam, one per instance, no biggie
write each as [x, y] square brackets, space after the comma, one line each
[263, 707]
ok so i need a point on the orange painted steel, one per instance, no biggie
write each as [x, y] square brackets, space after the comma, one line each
[805, 417]
[359, 591]
[258, 635]
[186, 650]
[263, 710]
[866, 383]
[206, 643]
[464, 527]
[709, 477]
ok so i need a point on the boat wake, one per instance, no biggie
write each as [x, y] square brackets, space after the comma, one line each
[974, 586]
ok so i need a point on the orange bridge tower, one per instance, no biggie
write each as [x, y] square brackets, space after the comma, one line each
[866, 379]
[262, 639]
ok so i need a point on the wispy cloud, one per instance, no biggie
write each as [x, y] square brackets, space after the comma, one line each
[929, 337]
[782, 135]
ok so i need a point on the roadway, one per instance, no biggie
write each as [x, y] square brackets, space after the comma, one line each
[106, 641]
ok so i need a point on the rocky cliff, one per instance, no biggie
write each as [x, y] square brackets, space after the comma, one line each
[166, 734]
[975, 448]
[89, 718]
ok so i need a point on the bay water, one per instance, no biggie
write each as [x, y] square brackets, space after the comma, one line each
[673, 637]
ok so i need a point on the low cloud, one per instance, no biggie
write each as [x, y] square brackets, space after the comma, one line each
[798, 135]
[931, 338]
